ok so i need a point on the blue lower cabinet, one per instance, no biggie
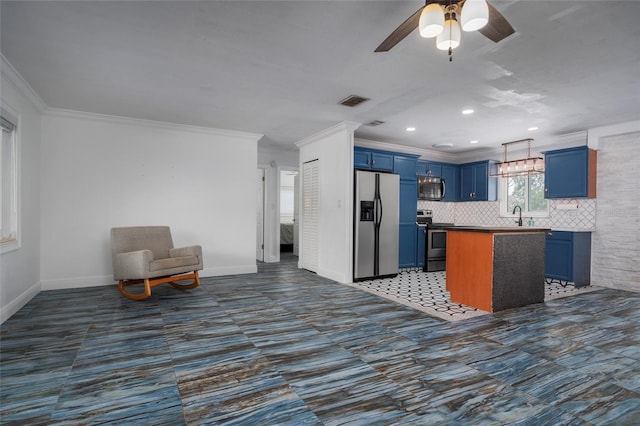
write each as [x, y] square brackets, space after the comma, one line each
[421, 235]
[568, 257]
[408, 239]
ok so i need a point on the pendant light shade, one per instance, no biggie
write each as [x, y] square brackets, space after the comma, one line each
[475, 15]
[431, 21]
[450, 37]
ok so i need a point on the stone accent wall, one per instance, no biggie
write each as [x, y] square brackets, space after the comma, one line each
[615, 251]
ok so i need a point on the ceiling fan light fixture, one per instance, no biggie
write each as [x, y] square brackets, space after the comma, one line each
[475, 15]
[431, 21]
[450, 37]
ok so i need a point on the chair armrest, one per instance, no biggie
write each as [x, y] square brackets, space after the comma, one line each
[132, 265]
[186, 251]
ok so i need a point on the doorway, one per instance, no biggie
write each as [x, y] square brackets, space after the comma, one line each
[260, 215]
[288, 219]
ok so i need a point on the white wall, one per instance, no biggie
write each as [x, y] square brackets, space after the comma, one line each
[616, 242]
[20, 269]
[99, 172]
[334, 150]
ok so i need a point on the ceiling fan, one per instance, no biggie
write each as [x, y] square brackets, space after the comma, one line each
[442, 14]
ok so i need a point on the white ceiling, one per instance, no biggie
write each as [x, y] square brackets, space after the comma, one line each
[280, 68]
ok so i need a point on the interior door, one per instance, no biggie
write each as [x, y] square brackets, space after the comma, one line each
[310, 215]
[260, 216]
[296, 214]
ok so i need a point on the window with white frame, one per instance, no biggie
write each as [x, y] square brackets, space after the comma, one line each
[9, 182]
[526, 191]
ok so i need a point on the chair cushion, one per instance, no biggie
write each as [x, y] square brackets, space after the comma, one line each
[173, 262]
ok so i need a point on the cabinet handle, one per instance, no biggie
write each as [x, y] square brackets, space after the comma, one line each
[374, 162]
[550, 233]
[546, 190]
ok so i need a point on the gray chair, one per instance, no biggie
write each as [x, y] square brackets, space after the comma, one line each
[145, 255]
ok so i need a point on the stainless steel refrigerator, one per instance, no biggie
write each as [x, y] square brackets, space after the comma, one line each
[376, 219]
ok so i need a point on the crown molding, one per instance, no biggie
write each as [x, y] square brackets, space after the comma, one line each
[425, 154]
[14, 77]
[344, 126]
[595, 134]
[113, 119]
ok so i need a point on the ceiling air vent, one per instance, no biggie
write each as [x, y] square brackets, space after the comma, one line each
[353, 100]
[374, 123]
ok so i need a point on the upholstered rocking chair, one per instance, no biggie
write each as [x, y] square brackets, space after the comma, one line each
[145, 255]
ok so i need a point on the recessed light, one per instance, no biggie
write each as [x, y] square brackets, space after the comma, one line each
[473, 141]
[411, 129]
[531, 129]
[467, 111]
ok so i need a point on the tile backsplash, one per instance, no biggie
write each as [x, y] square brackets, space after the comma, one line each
[488, 213]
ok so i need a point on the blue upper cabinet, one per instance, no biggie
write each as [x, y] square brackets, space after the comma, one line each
[372, 160]
[429, 168]
[382, 162]
[476, 184]
[570, 173]
[450, 175]
[448, 172]
[405, 167]
[361, 159]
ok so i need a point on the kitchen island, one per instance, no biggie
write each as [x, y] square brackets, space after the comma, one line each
[495, 268]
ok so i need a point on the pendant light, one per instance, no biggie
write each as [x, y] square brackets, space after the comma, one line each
[521, 167]
[475, 15]
[431, 21]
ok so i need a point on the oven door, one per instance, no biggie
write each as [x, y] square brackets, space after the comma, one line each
[435, 252]
[436, 243]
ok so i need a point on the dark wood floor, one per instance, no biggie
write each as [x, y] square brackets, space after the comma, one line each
[285, 346]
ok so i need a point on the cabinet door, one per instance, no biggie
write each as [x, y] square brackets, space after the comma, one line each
[361, 159]
[481, 182]
[407, 252]
[383, 162]
[420, 239]
[405, 167]
[408, 202]
[450, 176]
[466, 183]
[434, 169]
[558, 260]
[566, 173]
[421, 167]
[408, 205]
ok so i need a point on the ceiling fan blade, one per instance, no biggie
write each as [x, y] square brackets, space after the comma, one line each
[498, 27]
[401, 32]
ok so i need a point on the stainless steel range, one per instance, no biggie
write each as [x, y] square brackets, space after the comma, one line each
[435, 249]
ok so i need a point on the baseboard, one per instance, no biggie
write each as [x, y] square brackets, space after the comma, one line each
[102, 280]
[332, 275]
[81, 282]
[229, 270]
[16, 304]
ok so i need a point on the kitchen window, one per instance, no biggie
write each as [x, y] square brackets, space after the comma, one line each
[526, 192]
[8, 184]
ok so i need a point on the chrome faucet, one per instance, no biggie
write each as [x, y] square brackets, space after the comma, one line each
[519, 221]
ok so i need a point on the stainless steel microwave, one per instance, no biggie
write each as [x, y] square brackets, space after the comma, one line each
[431, 188]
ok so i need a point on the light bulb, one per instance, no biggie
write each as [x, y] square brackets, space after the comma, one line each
[431, 21]
[450, 37]
[475, 15]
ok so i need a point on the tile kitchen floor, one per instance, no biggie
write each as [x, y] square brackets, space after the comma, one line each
[285, 346]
